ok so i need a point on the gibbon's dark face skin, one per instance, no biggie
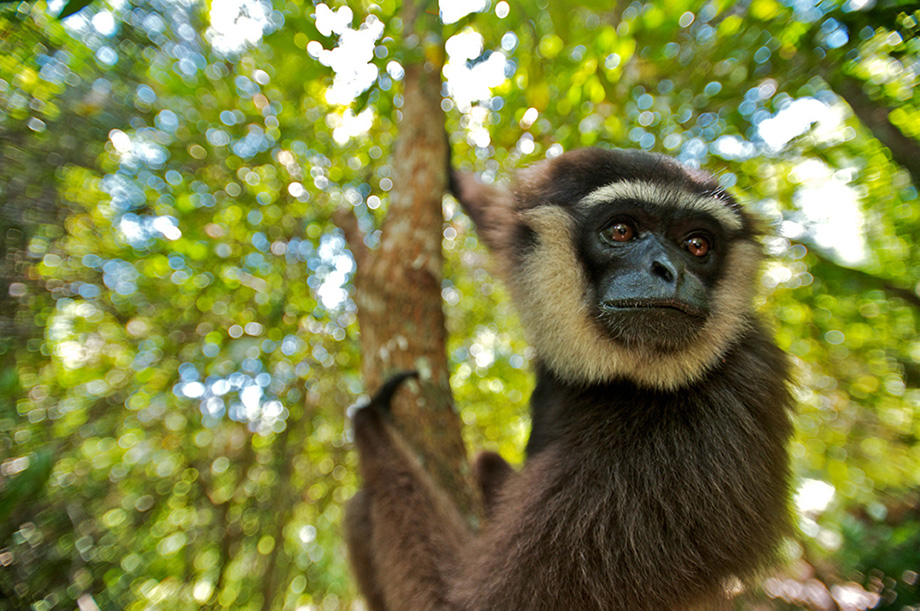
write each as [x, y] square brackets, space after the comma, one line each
[651, 270]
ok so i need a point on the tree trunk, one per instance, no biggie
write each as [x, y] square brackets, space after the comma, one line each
[398, 285]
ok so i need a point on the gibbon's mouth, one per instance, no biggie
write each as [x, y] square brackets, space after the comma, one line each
[621, 305]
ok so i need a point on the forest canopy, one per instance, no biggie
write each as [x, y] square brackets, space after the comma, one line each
[178, 321]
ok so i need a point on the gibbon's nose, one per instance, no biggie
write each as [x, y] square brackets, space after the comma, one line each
[664, 268]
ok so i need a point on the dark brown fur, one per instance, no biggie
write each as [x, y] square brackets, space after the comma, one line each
[491, 473]
[636, 495]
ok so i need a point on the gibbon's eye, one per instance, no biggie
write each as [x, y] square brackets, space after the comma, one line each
[619, 232]
[697, 245]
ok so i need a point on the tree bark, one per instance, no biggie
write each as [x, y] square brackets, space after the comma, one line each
[398, 285]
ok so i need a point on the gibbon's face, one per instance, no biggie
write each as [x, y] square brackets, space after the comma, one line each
[648, 280]
[622, 264]
[652, 260]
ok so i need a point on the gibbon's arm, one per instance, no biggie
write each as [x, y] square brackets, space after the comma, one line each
[402, 529]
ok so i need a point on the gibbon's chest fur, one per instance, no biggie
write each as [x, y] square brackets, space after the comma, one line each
[642, 497]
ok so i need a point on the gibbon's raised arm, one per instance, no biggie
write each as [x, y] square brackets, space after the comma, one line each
[657, 470]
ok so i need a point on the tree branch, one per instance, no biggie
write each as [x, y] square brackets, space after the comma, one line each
[863, 278]
[904, 150]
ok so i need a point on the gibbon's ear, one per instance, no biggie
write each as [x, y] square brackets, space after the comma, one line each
[492, 209]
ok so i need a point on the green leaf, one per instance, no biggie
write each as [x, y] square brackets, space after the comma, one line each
[28, 484]
[458, 26]
[72, 7]
[363, 98]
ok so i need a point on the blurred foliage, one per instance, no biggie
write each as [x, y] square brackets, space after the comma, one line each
[177, 338]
